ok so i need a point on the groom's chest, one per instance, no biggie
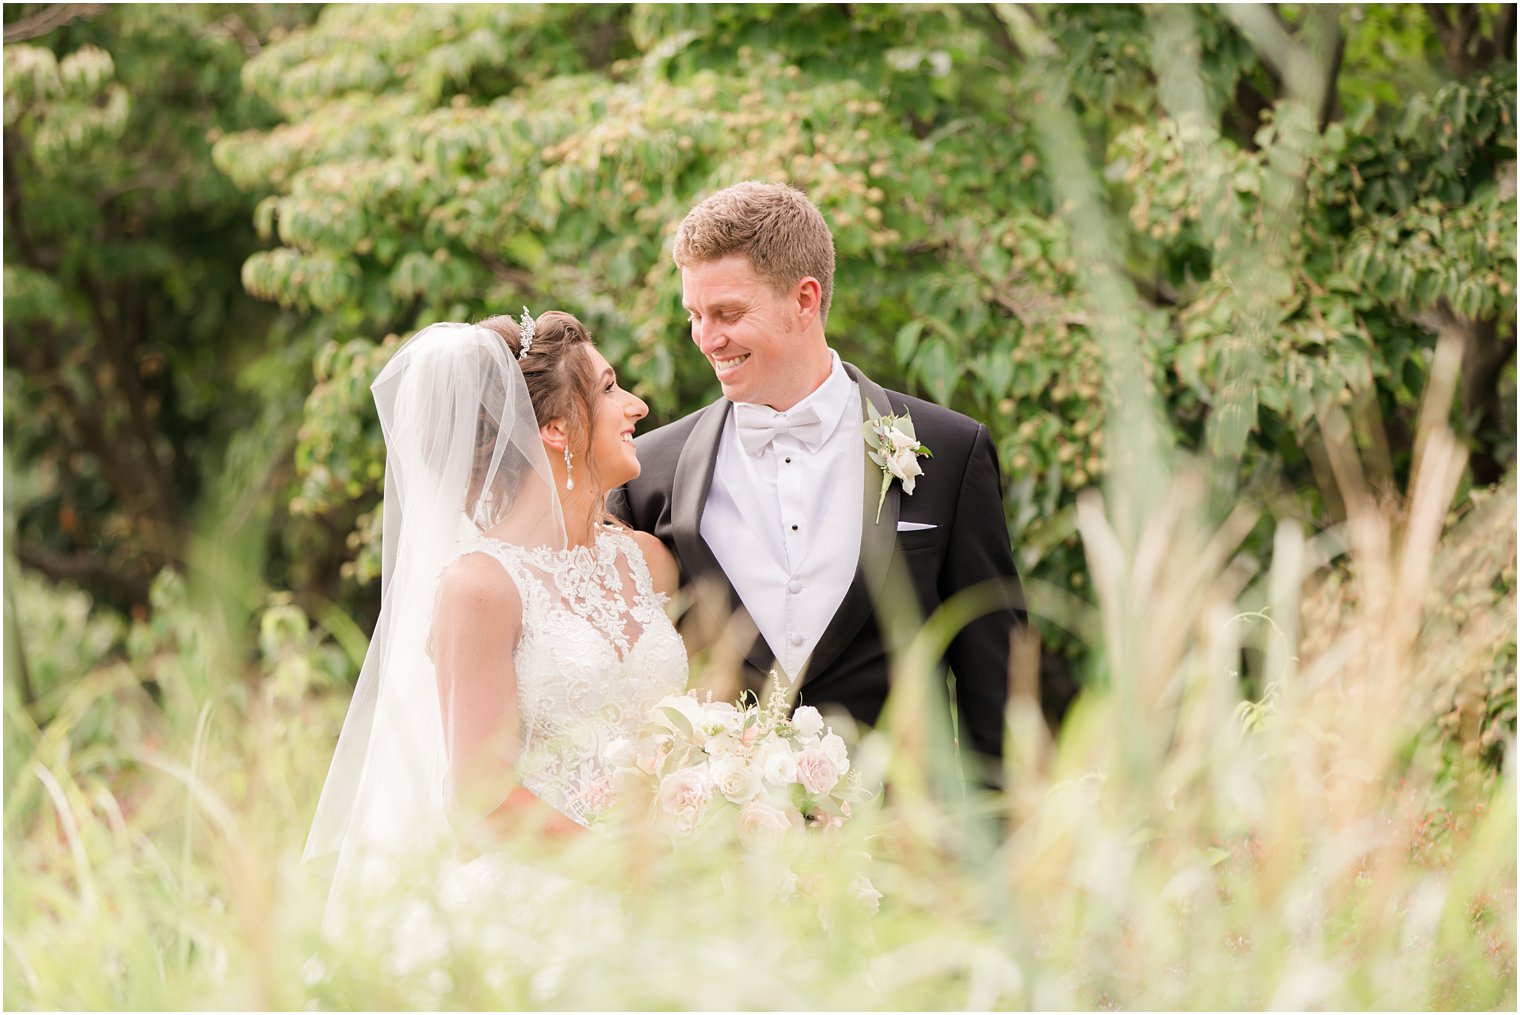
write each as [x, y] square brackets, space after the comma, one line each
[792, 508]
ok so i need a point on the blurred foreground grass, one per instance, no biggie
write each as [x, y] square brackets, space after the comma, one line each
[1288, 783]
[1327, 846]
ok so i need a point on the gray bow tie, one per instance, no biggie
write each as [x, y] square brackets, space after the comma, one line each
[758, 425]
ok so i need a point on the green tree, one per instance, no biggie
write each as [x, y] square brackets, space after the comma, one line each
[1301, 199]
[127, 333]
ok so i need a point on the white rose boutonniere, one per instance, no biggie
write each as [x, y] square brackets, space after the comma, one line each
[896, 449]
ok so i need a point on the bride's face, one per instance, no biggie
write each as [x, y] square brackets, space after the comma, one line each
[613, 415]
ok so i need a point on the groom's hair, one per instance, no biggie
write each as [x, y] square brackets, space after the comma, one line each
[774, 225]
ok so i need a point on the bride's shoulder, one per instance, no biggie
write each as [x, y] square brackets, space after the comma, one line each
[477, 582]
[662, 565]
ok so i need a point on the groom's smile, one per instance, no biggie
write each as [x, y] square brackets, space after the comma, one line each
[752, 334]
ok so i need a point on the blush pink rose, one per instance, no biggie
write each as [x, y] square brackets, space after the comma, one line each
[817, 771]
[599, 794]
[684, 794]
[763, 822]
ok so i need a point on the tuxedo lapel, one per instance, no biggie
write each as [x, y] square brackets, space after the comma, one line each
[878, 538]
[693, 479]
[688, 497]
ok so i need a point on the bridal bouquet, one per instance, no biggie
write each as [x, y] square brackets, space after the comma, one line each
[711, 766]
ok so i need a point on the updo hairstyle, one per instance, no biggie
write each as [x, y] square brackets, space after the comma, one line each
[559, 378]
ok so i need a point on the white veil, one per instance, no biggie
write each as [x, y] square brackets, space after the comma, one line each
[463, 458]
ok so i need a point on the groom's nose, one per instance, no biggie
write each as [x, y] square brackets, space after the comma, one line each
[704, 332]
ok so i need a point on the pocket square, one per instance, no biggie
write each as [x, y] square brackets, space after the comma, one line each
[914, 526]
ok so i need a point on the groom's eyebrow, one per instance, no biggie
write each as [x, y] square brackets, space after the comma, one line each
[725, 303]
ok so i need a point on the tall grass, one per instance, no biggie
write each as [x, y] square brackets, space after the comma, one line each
[1175, 848]
[1326, 843]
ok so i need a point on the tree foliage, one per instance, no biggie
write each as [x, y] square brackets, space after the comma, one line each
[125, 326]
[1301, 200]
[1290, 251]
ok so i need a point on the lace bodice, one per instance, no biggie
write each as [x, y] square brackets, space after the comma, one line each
[595, 654]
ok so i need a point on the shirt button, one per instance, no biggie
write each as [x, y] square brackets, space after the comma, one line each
[794, 528]
[794, 586]
[789, 461]
[796, 639]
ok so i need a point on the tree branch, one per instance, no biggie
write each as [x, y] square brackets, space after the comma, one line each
[14, 153]
[97, 574]
[519, 277]
[1001, 37]
[49, 18]
[233, 27]
[1456, 36]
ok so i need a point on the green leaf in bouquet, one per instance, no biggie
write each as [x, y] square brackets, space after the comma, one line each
[826, 804]
[672, 762]
[679, 721]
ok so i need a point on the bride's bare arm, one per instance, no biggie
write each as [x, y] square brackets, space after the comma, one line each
[475, 630]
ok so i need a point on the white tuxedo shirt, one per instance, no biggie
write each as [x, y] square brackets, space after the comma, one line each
[785, 524]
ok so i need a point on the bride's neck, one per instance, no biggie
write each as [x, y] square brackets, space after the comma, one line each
[582, 511]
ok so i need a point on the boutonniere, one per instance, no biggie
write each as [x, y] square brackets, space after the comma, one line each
[895, 449]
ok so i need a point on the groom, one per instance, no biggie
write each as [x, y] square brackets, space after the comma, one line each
[768, 494]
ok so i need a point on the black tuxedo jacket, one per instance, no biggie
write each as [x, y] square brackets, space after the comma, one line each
[959, 494]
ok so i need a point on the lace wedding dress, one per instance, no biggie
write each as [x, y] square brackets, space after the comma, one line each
[596, 653]
[465, 458]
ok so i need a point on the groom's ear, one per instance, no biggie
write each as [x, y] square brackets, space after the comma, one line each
[554, 434]
[809, 295]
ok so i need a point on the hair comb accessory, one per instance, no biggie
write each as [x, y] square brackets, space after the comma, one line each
[525, 330]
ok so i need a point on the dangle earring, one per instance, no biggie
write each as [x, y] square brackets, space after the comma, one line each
[569, 480]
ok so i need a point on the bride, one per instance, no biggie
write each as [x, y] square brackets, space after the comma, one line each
[521, 629]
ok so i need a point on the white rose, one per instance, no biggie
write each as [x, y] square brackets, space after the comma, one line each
[684, 794]
[721, 716]
[734, 779]
[618, 753]
[807, 722]
[719, 745]
[902, 462]
[816, 771]
[763, 822]
[777, 765]
[833, 746]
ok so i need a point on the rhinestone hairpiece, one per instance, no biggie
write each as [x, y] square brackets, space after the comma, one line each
[525, 330]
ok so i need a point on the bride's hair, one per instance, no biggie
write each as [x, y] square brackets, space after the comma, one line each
[560, 381]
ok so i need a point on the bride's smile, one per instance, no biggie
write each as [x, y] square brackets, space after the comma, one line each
[613, 459]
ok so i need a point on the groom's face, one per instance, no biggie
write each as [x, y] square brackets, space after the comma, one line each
[748, 332]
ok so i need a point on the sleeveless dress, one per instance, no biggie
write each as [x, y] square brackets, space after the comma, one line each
[595, 654]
